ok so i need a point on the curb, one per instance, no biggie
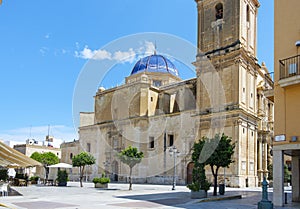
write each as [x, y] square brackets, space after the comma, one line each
[210, 199]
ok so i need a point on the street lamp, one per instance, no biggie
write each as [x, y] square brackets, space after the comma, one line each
[174, 152]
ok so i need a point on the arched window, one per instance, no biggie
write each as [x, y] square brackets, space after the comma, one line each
[219, 11]
[248, 13]
[71, 156]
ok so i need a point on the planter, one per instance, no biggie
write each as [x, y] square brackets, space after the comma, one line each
[62, 184]
[103, 186]
[198, 194]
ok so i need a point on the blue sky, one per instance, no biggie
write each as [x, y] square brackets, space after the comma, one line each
[42, 53]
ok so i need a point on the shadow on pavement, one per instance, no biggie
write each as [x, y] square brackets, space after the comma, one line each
[167, 199]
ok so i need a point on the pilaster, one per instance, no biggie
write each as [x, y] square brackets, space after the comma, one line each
[278, 178]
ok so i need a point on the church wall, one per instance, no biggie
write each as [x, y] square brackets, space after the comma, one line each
[68, 151]
[248, 25]
[210, 38]
[157, 165]
[247, 88]
[103, 107]
[152, 102]
[87, 119]
[243, 171]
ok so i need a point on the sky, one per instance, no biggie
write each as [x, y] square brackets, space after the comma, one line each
[46, 45]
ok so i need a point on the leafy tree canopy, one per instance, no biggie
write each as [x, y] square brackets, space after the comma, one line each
[131, 156]
[82, 159]
[221, 157]
[46, 158]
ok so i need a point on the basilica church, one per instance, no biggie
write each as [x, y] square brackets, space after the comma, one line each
[158, 112]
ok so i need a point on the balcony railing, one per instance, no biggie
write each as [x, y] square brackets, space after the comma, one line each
[289, 67]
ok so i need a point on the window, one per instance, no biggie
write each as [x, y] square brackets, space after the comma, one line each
[292, 68]
[171, 140]
[88, 148]
[251, 166]
[151, 142]
[71, 156]
[248, 13]
[219, 11]
[157, 83]
[116, 142]
[243, 165]
[151, 99]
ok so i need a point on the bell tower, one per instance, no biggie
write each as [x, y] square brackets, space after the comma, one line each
[227, 76]
[226, 25]
[227, 38]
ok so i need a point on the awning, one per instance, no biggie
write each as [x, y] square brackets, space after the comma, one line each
[10, 157]
[60, 165]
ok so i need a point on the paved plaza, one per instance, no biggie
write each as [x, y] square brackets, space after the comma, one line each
[117, 196]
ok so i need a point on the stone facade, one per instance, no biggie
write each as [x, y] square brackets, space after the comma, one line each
[68, 151]
[287, 98]
[226, 62]
[231, 94]
[28, 149]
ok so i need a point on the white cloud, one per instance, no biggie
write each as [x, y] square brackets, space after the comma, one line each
[47, 36]
[87, 53]
[44, 50]
[149, 48]
[130, 55]
[64, 51]
[77, 45]
[126, 56]
[59, 132]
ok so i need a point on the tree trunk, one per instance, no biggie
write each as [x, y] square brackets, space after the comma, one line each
[130, 179]
[47, 174]
[215, 184]
[81, 170]
[215, 174]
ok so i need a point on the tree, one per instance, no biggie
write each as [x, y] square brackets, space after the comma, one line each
[220, 151]
[287, 174]
[81, 160]
[199, 181]
[46, 158]
[130, 156]
[270, 172]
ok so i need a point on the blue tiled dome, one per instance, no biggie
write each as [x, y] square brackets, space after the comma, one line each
[155, 63]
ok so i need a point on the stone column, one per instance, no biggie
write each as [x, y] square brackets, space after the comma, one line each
[259, 160]
[278, 178]
[295, 179]
[265, 163]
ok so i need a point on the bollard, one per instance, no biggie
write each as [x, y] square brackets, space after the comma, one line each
[265, 203]
[285, 198]
[222, 189]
